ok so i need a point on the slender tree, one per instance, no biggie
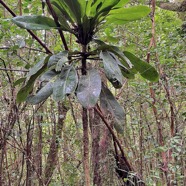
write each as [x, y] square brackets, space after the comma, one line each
[60, 75]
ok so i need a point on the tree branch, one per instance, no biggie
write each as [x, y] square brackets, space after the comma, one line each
[29, 31]
[57, 23]
[98, 110]
[9, 69]
[177, 7]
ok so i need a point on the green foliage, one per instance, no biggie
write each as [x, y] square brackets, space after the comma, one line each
[109, 103]
[65, 84]
[34, 22]
[33, 74]
[145, 69]
[139, 125]
[124, 15]
[58, 60]
[19, 81]
[83, 19]
[89, 89]
[84, 16]
[41, 95]
[112, 70]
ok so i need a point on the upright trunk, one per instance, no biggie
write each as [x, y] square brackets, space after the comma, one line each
[54, 146]
[95, 121]
[29, 167]
[38, 147]
[106, 158]
[2, 152]
[85, 128]
[165, 160]
[86, 147]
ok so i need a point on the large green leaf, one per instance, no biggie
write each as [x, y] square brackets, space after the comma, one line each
[61, 17]
[145, 69]
[92, 7]
[89, 89]
[112, 70]
[62, 61]
[41, 95]
[104, 47]
[65, 84]
[129, 74]
[121, 4]
[61, 5]
[95, 8]
[35, 73]
[19, 81]
[107, 5]
[83, 5]
[38, 66]
[34, 22]
[98, 10]
[24, 91]
[108, 103]
[58, 60]
[49, 75]
[124, 15]
[70, 10]
[75, 9]
[124, 63]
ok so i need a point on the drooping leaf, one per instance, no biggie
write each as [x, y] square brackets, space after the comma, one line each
[103, 46]
[62, 61]
[124, 63]
[128, 73]
[19, 81]
[24, 91]
[47, 76]
[109, 104]
[145, 69]
[34, 22]
[112, 70]
[41, 95]
[124, 15]
[58, 59]
[38, 66]
[65, 84]
[33, 75]
[89, 89]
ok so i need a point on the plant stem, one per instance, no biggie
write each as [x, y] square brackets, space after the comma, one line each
[57, 23]
[52, 158]
[97, 109]
[165, 159]
[85, 129]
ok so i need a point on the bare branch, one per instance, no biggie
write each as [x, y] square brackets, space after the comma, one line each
[29, 31]
[17, 70]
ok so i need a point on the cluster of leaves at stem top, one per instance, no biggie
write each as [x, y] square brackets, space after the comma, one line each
[58, 74]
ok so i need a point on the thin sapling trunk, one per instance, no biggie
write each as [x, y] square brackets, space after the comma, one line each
[85, 128]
